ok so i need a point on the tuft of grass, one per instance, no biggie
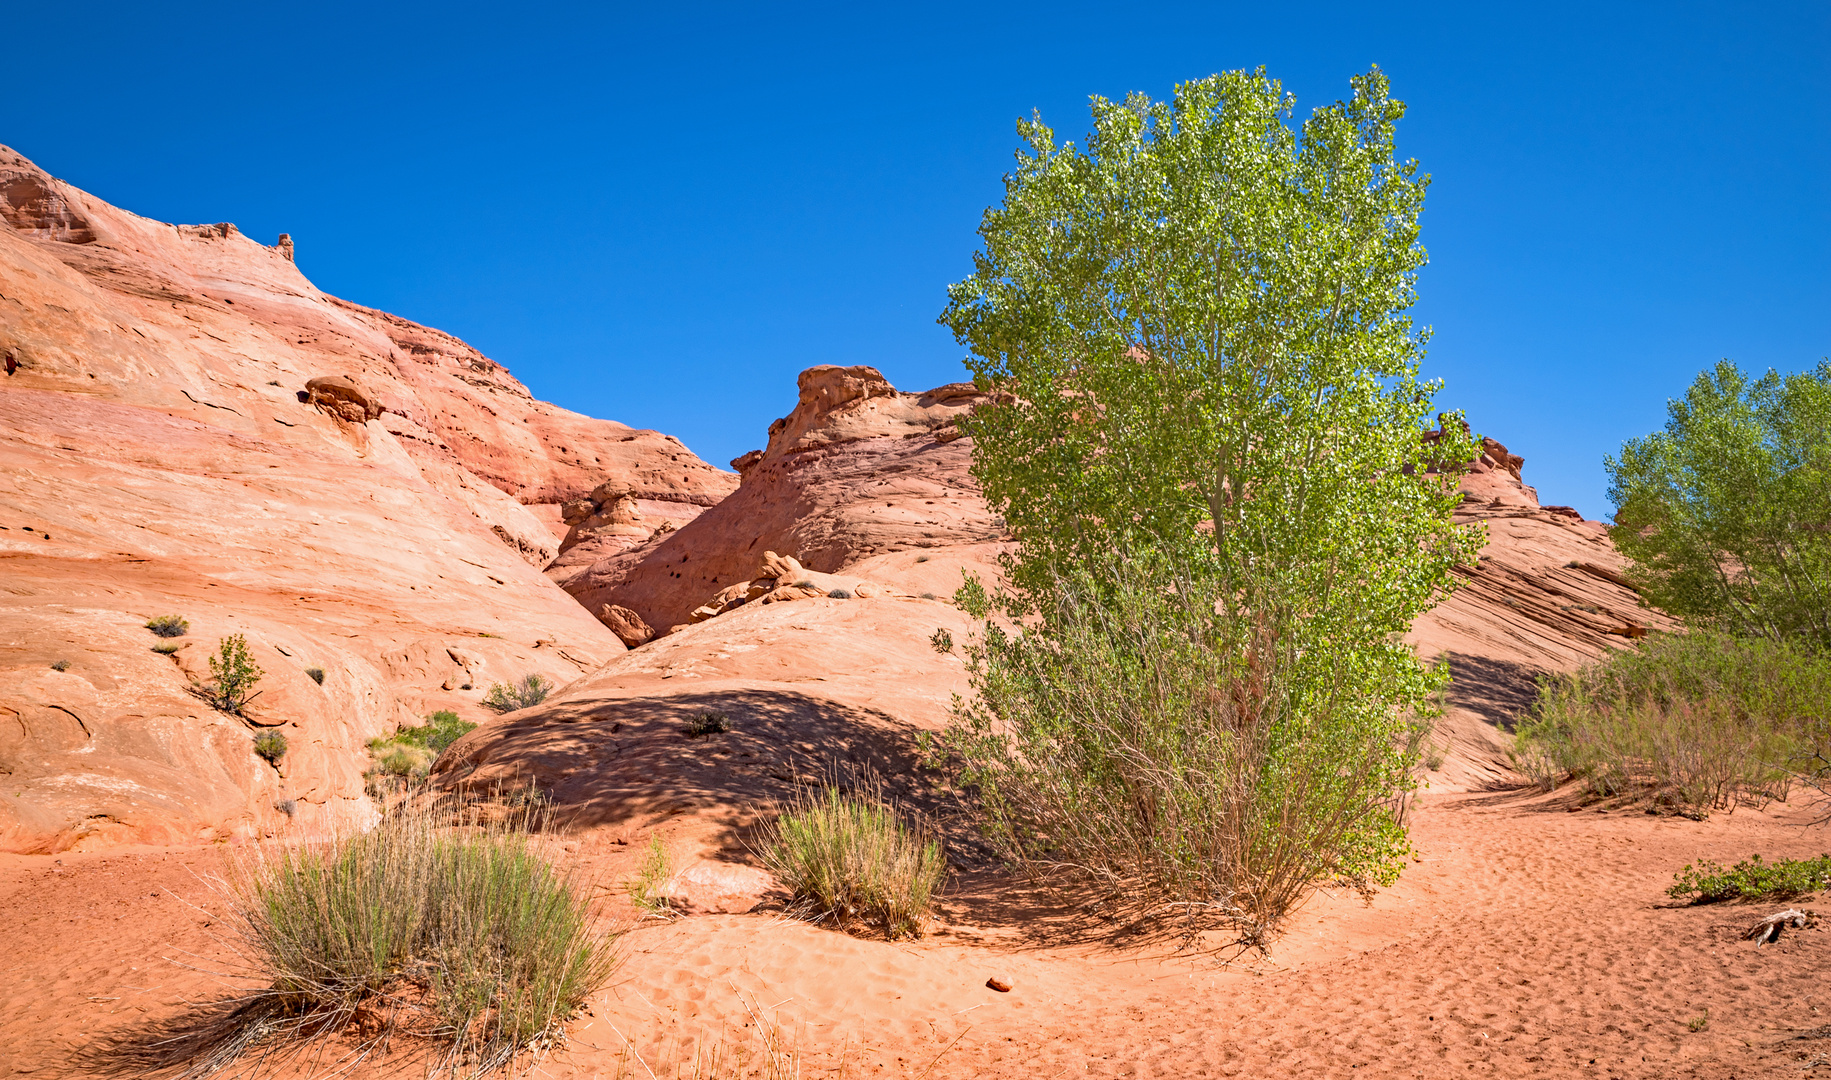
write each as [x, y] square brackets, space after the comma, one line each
[762, 1050]
[529, 692]
[167, 648]
[289, 807]
[855, 860]
[1698, 1023]
[271, 745]
[1751, 879]
[316, 674]
[169, 626]
[431, 926]
[1698, 721]
[929, 596]
[233, 675]
[921, 558]
[709, 722]
[839, 594]
[60, 665]
[647, 890]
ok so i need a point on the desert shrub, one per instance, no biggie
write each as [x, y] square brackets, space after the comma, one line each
[647, 889]
[440, 730]
[316, 674]
[60, 665]
[233, 675]
[1700, 721]
[289, 807]
[855, 860]
[840, 594]
[709, 722]
[271, 745]
[941, 641]
[1751, 879]
[529, 692]
[167, 648]
[485, 946]
[1136, 752]
[168, 626]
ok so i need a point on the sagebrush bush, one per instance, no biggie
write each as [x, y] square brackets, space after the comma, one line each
[855, 860]
[464, 927]
[1160, 765]
[270, 745]
[1700, 721]
[168, 626]
[525, 694]
[1751, 879]
[60, 665]
[709, 722]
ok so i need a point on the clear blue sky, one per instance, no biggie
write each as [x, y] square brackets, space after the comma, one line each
[660, 214]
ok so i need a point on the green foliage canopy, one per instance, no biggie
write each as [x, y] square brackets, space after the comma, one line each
[1194, 330]
[1726, 513]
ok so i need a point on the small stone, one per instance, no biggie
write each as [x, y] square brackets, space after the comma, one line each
[998, 984]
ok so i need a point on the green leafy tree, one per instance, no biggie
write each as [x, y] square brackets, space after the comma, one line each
[1206, 386]
[1726, 513]
[233, 675]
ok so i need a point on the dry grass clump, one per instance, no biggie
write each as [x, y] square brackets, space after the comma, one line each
[1698, 721]
[855, 860]
[169, 626]
[271, 746]
[525, 694]
[431, 927]
[764, 1051]
[648, 889]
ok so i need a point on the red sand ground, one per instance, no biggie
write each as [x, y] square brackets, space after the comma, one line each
[1529, 940]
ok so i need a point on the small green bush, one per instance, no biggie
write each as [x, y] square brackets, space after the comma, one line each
[270, 745]
[942, 641]
[233, 675]
[469, 928]
[60, 665]
[316, 674]
[529, 692]
[168, 626]
[1751, 879]
[411, 751]
[1698, 721]
[710, 722]
[167, 648]
[854, 860]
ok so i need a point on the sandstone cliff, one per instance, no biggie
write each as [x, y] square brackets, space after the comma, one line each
[188, 426]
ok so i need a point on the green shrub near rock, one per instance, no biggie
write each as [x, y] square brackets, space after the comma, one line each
[530, 691]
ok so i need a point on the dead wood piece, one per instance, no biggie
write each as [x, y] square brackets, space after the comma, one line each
[1767, 931]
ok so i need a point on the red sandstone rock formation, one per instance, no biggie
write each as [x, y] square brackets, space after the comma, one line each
[858, 471]
[191, 427]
